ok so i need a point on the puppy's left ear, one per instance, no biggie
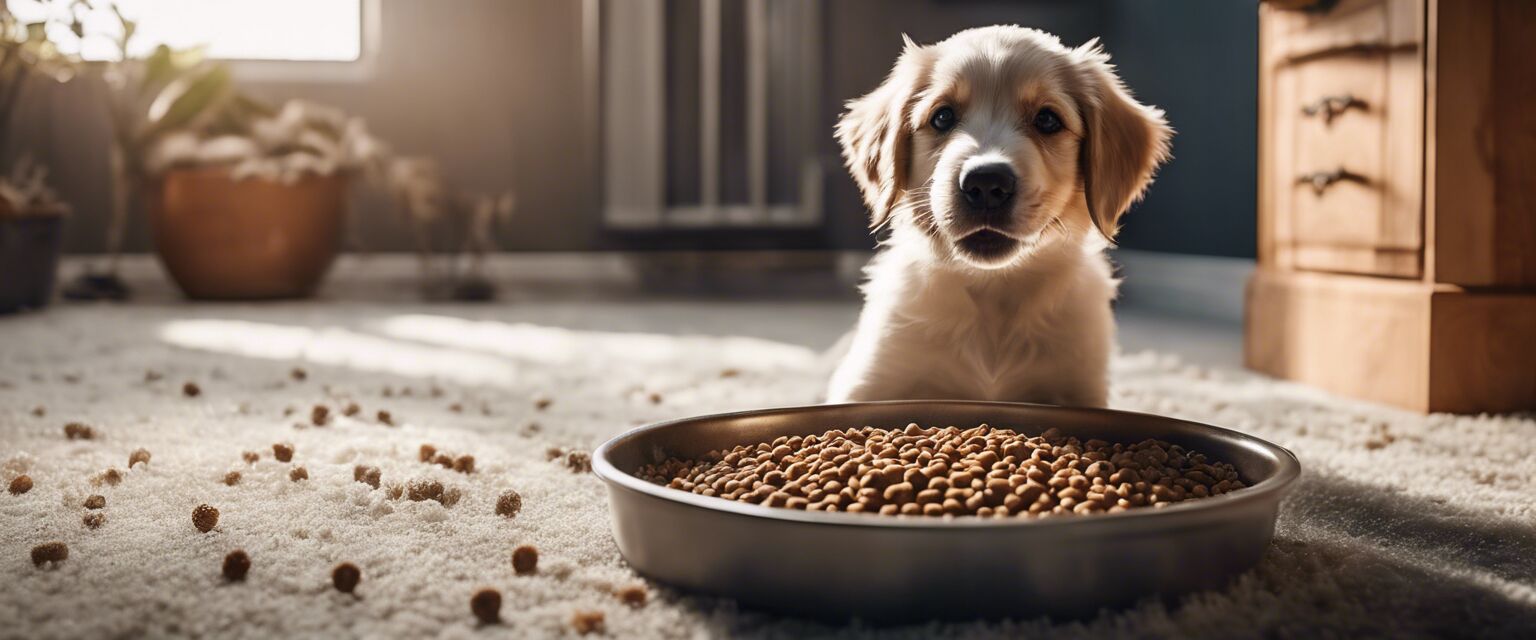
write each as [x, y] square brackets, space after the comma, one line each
[876, 136]
[1124, 143]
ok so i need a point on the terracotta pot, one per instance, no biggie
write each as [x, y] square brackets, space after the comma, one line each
[252, 239]
[29, 258]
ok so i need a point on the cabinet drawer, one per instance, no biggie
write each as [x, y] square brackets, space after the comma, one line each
[1342, 130]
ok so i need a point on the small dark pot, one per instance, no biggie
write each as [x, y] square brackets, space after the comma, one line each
[29, 258]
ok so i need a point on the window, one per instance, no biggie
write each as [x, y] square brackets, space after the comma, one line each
[303, 30]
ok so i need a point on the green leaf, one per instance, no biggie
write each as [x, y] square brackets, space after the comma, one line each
[187, 98]
[159, 70]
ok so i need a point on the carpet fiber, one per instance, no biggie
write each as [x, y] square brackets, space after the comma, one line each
[1403, 525]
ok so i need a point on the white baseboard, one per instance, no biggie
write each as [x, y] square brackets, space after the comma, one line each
[1204, 287]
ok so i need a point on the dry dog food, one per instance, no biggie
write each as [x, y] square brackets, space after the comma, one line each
[191, 390]
[633, 596]
[351, 410]
[282, 451]
[205, 518]
[298, 374]
[366, 474]
[949, 471]
[464, 464]
[385, 419]
[250, 457]
[96, 502]
[585, 622]
[78, 431]
[111, 476]
[236, 565]
[320, 415]
[426, 453]
[486, 605]
[49, 552]
[138, 455]
[20, 485]
[93, 520]
[578, 461]
[525, 560]
[509, 504]
[232, 478]
[298, 473]
[421, 489]
[346, 576]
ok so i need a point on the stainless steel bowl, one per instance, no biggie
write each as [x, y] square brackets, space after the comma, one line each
[880, 568]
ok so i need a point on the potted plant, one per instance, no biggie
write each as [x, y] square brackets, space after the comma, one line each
[31, 215]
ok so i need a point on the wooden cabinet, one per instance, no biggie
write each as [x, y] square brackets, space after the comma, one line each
[1397, 201]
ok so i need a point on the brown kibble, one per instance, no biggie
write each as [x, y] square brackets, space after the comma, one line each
[633, 596]
[443, 460]
[450, 496]
[250, 457]
[424, 489]
[79, 431]
[525, 560]
[385, 419]
[585, 622]
[39, 411]
[232, 478]
[283, 452]
[191, 390]
[351, 410]
[21, 484]
[578, 461]
[298, 473]
[236, 565]
[553, 453]
[320, 415]
[509, 504]
[138, 455]
[111, 476]
[205, 518]
[486, 605]
[346, 576]
[93, 520]
[426, 453]
[366, 474]
[655, 398]
[394, 491]
[49, 552]
[456, 407]
[729, 373]
[464, 464]
[298, 374]
[542, 402]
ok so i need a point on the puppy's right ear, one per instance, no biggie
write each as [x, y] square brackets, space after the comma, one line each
[877, 137]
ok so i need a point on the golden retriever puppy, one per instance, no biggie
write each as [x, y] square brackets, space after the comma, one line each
[1002, 161]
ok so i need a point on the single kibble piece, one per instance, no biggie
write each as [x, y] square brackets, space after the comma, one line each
[78, 431]
[351, 410]
[655, 398]
[250, 457]
[232, 478]
[283, 452]
[486, 605]
[93, 520]
[578, 461]
[21, 484]
[191, 390]
[443, 460]
[39, 411]
[385, 419]
[298, 473]
[525, 560]
[464, 464]
[298, 374]
[394, 491]
[426, 453]
[585, 622]
[509, 504]
[346, 576]
[96, 502]
[542, 402]
[150, 375]
[450, 497]
[320, 415]
[138, 455]
[553, 453]
[456, 407]
[205, 518]
[236, 565]
[948, 472]
[633, 596]
[424, 489]
[366, 474]
[49, 552]
[111, 476]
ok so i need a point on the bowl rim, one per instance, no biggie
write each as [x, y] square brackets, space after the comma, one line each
[1271, 488]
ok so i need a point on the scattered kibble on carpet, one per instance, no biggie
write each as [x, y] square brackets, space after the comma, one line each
[20, 484]
[525, 560]
[50, 552]
[205, 518]
[236, 564]
[320, 415]
[283, 452]
[96, 501]
[298, 473]
[634, 596]
[588, 622]
[346, 576]
[191, 390]
[232, 478]
[509, 504]
[93, 520]
[486, 605]
[79, 431]
[138, 456]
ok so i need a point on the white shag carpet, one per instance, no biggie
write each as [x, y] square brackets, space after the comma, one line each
[1402, 526]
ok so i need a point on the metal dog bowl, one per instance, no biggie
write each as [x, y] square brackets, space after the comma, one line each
[883, 568]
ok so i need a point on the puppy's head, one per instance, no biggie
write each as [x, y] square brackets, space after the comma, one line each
[999, 140]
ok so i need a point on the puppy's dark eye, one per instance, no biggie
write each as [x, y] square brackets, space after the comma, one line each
[1047, 122]
[943, 119]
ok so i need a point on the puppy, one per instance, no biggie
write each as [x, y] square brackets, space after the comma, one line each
[1001, 161]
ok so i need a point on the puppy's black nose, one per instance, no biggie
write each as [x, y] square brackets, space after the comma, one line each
[988, 187]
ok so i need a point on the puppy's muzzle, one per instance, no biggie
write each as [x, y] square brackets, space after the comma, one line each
[988, 192]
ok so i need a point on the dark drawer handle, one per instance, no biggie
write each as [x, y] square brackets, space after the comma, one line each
[1331, 106]
[1321, 180]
